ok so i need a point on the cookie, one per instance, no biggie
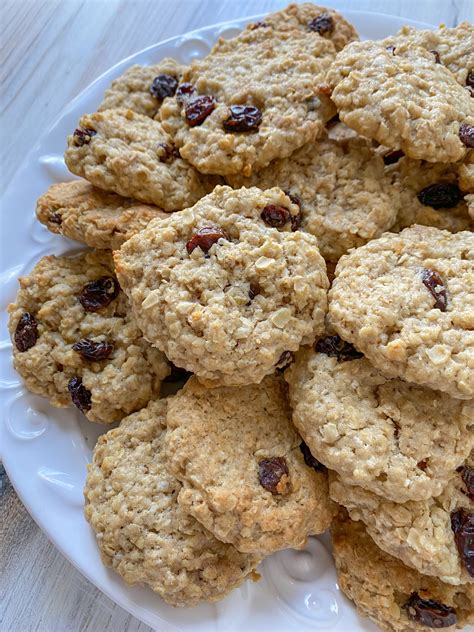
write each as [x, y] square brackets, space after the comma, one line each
[226, 289]
[92, 216]
[307, 17]
[406, 301]
[244, 476]
[419, 533]
[466, 174]
[403, 99]
[396, 439]
[345, 196]
[254, 98]
[142, 532]
[130, 154]
[74, 339]
[143, 88]
[395, 597]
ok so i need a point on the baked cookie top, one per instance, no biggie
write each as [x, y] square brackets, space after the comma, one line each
[395, 597]
[406, 302]
[142, 532]
[466, 173]
[243, 472]
[74, 339]
[92, 216]
[345, 195]
[226, 289]
[308, 17]
[423, 534]
[403, 99]
[254, 98]
[130, 154]
[399, 440]
[143, 88]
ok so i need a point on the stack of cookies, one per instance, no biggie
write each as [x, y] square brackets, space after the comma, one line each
[279, 363]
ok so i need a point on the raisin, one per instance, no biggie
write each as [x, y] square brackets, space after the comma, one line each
[205, 238]
[391, 49]
[254, 289]
[429, 612]
[440, 195]
[309, 458]
[466, 134]
[167, 152]
[184, 92]
[295, 219]
[462, 525]
[434, 283]
[83, 136]
[392, 157]
[55, 218]
[470, 78]
[285, 360]
[26, 332]
[273, 474]
[436, 56]
[334, 347]
[322, 24]
[257, 25]
[80, 395]
[163, 86]
[468, 480]
[242, 118]
[197, 110]
[275, 216]
[99, 293]
[91, 350]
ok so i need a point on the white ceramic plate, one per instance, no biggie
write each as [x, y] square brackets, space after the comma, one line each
[45, 449]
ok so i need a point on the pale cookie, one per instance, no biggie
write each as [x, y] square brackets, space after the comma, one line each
[92, 216]
[74, 339]
[430, 195]
[403, 99]
[407, 302]
[396, 439]
[142, 533]
[395, 597]
[226, 289]
[345, 196]
[125, 152]
[143, 88]
[254, 98]
[308, 17]
[424, 534]
[244, 476]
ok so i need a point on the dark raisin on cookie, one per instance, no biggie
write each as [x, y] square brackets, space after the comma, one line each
[198, 109]
[167, 152]
[392, 157]
[254, 289]
[242, 118]
[466, 134]
[273, 474]
[429, 612]
[92, 350]
[99, 293]
[83, 136]
[184, 92]
[257, 25]
[462, 525]
[434, 283]
[286, 358]
[295, 219]
[470, 79]
[335, 347]
[467, 475]
[204, 238]
[26, 332]
[55, 218]
[322, 24]
[163, 86]
[436, 56]
[309, 458]
[275, 215]
[440, 195]
[80, 395]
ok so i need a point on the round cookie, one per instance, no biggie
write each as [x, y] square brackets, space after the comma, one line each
[345, 195]
[243, 471]
[74, 339]
[419, 533]
[94, 217]
[254, 98]
[407, 302]
[393, 438]
[142, 533]
[387, 94]
[395, 597]
[221, 291]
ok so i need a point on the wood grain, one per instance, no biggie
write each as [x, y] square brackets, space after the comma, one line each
[50, 51]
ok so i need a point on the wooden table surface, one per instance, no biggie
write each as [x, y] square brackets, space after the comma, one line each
[51, 50]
